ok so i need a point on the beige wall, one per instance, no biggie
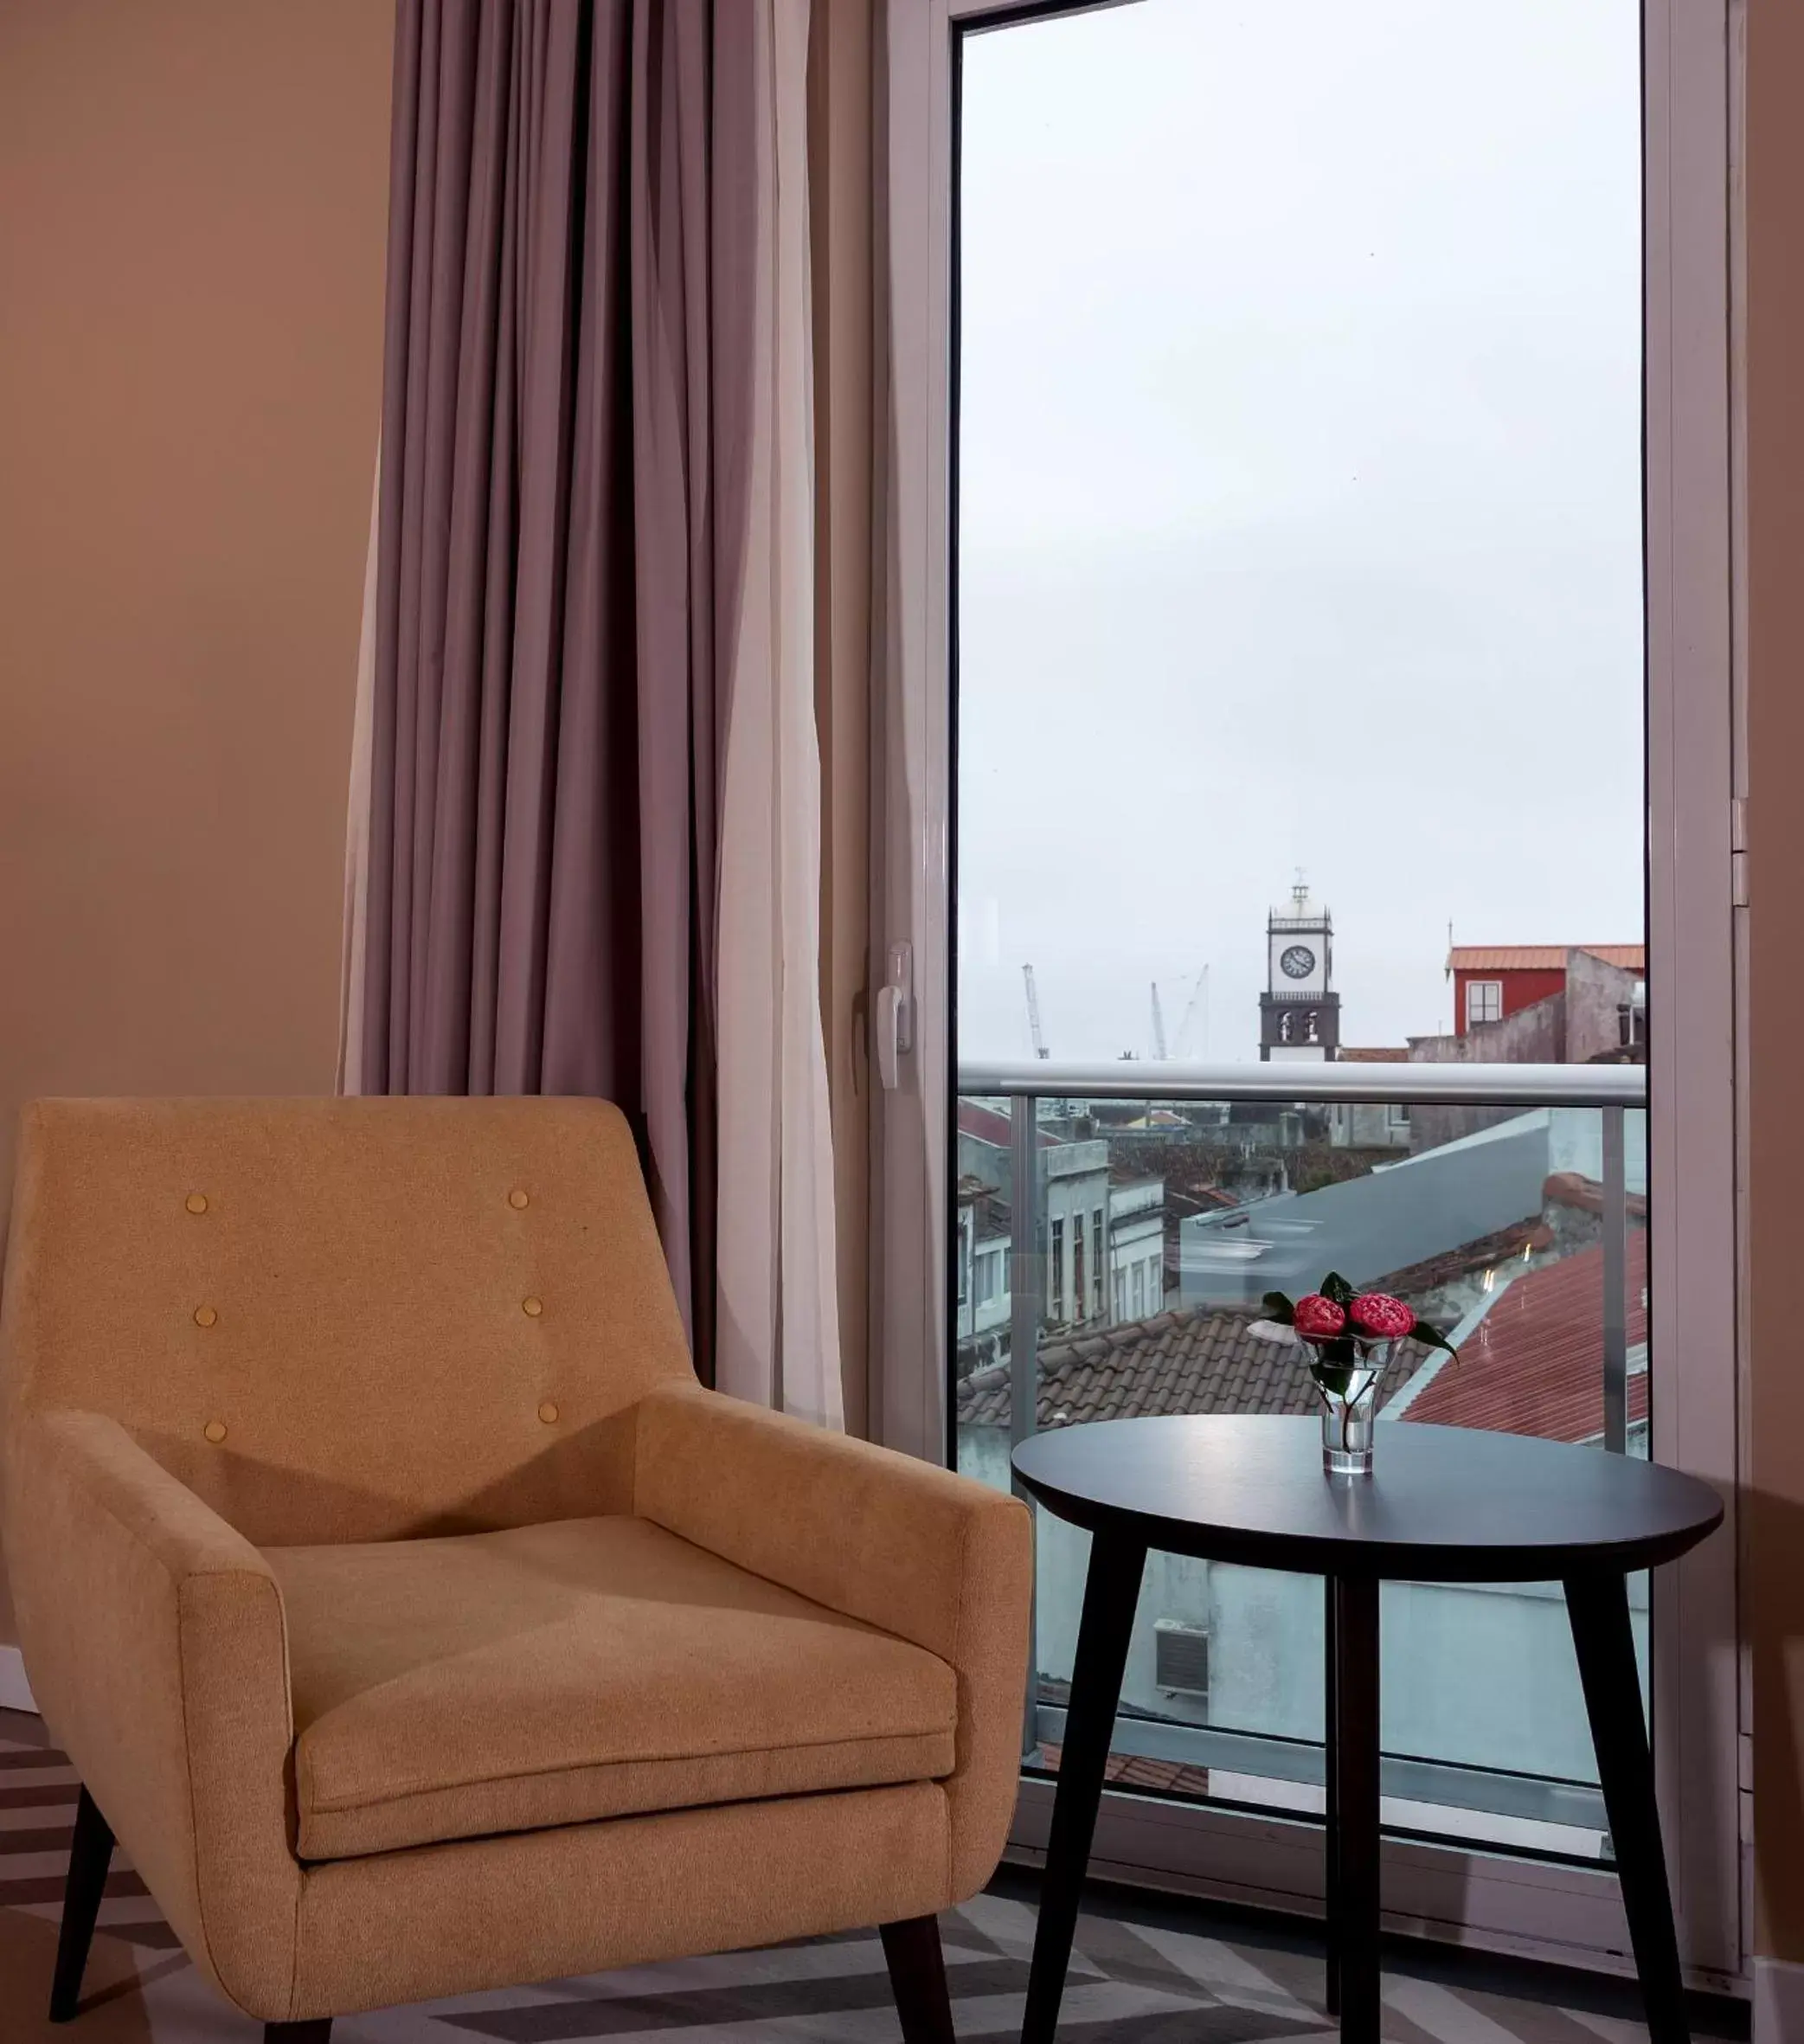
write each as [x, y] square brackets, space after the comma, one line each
[193, 202]
[1775, 718]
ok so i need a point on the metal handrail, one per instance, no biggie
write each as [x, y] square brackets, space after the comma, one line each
[1614, 1089]
[1305, 1082]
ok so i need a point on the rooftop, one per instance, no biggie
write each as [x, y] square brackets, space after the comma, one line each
[1539, 957]
[1534, 1364]
[987, 1125]
[1195, 1360]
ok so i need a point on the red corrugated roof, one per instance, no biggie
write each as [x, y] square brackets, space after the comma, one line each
[1540, 958]
[1534, 1363]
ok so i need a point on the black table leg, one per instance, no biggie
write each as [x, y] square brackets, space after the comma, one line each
[1354, 1820]
[1110, 1594]
[1330, 1779]
[1598, 1607]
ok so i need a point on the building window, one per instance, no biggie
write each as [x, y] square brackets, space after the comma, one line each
[1097, 1262]
[1484, 1001]
[1120, 1295]
[1077, 1284]
[986, 1274]
[1055, 1274]
[1140, 1290]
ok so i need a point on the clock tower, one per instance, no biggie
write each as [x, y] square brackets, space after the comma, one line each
[1300, 1010]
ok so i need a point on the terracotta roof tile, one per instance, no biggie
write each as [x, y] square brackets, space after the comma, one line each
[1134, 1771]
[1195, 1360]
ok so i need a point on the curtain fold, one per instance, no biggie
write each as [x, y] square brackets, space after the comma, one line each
[778, 1338]
[582, 625]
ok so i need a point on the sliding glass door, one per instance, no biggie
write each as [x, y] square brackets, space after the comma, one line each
[1325, 485]
[1300, 713]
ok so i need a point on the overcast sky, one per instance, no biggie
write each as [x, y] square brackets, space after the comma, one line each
[1300, 507]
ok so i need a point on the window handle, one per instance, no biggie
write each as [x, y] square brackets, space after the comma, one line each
[896, 1016]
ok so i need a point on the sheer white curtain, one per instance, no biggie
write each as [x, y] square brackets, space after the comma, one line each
[777, 1331]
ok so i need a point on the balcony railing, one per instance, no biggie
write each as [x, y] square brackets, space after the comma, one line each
[1315, 1084]
[1611, 1088]
[1071, 1088]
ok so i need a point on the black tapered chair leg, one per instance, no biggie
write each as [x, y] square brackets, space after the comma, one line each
[917, 1977]
[316, 2029]
[90, 1854]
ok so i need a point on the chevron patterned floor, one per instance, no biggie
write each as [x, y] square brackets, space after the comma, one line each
[1134, 1982]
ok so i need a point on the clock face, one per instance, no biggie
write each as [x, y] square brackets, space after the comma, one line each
[1298, 962]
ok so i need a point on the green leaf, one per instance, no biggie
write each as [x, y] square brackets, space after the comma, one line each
[1433, 1338]
[1333, 1377]
[1335, 1287]
[1281, 1309]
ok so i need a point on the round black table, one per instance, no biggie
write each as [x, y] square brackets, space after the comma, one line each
[1444, 1505]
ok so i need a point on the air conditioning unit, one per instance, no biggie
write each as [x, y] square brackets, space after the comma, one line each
[1180, 1655]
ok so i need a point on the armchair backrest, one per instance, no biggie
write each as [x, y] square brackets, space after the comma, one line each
[344, 1320]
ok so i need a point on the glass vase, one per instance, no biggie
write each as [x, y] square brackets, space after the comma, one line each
[1348, 1418]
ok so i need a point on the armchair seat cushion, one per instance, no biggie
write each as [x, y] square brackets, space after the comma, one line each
[583, 1668]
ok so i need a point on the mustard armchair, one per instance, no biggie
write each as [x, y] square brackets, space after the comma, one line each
[413, 1616]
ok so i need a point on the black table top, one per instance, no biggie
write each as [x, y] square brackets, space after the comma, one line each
[1443, 1504]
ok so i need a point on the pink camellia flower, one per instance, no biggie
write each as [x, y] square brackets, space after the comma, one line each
[1379, 1314]
[1317, 1319]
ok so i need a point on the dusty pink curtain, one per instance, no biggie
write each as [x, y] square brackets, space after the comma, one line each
[561, 549]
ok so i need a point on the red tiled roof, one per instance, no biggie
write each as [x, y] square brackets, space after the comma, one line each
[987, 1126]
[1585, 1195]
[1539, 957]
[1195, 1360]
[1135, 1771]
[1534, 1363]
[1348, 1054]
[1484, 1252]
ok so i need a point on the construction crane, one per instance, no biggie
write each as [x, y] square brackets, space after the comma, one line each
[1033, 1014]
[1199, 999]
[1159, 1026]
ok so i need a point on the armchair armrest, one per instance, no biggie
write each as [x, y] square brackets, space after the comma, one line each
[155, 1639]
[920, 1552]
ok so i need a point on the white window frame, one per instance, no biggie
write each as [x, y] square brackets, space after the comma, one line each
[1493, 991]
[986, 1279]
[1692, 92]
[1098, 1260]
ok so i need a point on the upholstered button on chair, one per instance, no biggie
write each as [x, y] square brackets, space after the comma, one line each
[415, 1619]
